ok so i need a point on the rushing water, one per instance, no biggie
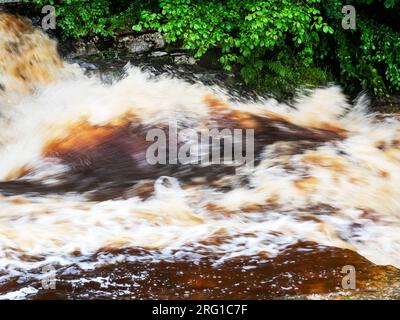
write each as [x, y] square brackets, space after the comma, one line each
[78, 196]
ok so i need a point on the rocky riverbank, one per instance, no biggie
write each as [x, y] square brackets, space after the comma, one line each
[150, 50]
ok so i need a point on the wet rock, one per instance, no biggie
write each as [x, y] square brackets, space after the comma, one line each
[389, 104]
[143, 43]
[184, 59]
[87, 66]
[158, 54]
[83, 47]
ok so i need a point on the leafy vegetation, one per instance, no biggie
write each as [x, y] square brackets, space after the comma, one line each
[78, 18]
[368, 57]
[275, 44]
[270, 42]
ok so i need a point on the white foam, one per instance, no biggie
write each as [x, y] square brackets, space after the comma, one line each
[358, 180]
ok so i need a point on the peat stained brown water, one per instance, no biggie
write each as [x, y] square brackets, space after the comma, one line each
[81, 205]
[304, 270]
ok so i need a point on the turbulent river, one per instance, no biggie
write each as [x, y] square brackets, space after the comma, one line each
[83, 210]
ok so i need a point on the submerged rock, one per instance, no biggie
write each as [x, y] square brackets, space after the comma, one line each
[303, 271]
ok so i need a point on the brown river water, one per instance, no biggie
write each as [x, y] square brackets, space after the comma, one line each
[84, 215]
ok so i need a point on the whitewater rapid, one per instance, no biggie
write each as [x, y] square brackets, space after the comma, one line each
[341, 191]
